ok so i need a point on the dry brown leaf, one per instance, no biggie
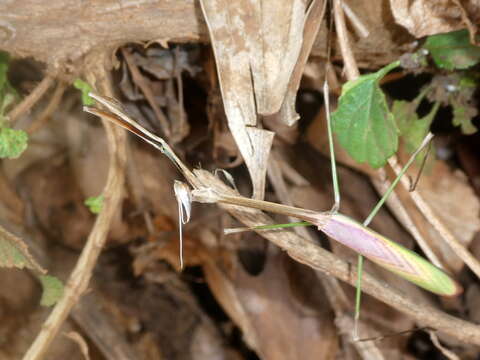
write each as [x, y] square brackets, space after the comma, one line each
[311, 27]
[257, 46]
[279, 319]
[64, 218]
[385, 42]
[442, 189]
[426, 17]
[207, 345]
[274, 53]
[228, 25]
[87, 152]
[14, 253]
[150, 178]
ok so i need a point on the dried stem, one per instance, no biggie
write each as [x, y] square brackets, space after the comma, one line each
[147, 91]
[209, 188]
[351, 67]
[448, 354]
[32, 98]
[459, 249]
[402, 214]
[356, 22]
[10, 198]
[472, 27]
[81, 274]
[422, 205]
[49, 109]
[335, 293]
[311, 254]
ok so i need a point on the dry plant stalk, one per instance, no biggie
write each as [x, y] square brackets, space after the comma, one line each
[352, 73]
[32, 98]
[208, 187]
[460, 250]
[81, 274]
[43, 118]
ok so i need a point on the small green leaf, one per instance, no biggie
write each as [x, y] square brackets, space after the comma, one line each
[404, 113]
[418, 129]
[95, 204]
[453, 50]
[12, 142]
[468, 81]
[462, 116]
[52, 290]
[412, 128]
[14, 253]
[364, 125]
[85, 89]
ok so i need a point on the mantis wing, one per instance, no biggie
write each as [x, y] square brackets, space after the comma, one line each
[390, 255]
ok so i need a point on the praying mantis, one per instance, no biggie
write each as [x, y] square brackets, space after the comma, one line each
[357, 236]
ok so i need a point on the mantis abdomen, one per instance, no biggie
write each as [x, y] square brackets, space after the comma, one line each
[390, 255]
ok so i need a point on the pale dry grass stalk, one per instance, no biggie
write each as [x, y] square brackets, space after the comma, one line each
[81, 274]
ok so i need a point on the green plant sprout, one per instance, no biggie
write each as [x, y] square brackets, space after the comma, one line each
[384, 252]
[94, 204]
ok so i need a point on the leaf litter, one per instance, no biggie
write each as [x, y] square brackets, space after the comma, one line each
[281, 309]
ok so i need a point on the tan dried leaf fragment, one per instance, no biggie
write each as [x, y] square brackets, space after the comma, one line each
[425, 17]
[14, 253]
[259, 48]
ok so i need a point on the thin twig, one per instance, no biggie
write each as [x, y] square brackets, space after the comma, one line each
[351, 68]
[472, 27]
[422, 205]
[356, 22]
[10, 198]
[458, 248]
[402, 214]
[147, 91]
[448, 354]
[211, 189]
[32, 98]
[316, 257]
[335, 294]
[82, 272]
[49, 109]
[353, 73]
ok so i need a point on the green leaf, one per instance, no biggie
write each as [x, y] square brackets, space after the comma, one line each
[412, 128]
[418, 129]
[95, 204]
[52, 290]
[364, 125]
[404, 113]
[14, 253]
[12, 142]
[85, 89]
[453, 50]
[462, 116]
